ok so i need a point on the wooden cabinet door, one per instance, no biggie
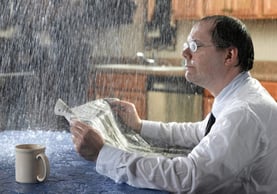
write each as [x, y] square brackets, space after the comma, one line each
[237, 8]
[246, 8]
[125, 86]
[121, 81]
[271, 87]
[216, 7]
[208, 101]
[187, 9]
[270, 9]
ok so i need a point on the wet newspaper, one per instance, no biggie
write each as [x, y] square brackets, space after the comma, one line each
[99, 115]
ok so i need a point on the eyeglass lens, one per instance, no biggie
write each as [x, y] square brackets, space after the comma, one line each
[191, 45]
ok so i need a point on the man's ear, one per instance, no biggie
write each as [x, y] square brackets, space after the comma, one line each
[231, 58]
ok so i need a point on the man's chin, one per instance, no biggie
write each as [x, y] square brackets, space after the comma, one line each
[191, 79]
[188, 77]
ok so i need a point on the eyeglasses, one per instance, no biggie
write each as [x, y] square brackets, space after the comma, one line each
[193, 46]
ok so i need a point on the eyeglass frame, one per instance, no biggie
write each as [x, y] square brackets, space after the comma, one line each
[193, 46]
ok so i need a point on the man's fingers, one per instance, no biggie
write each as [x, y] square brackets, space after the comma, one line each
[111, 100]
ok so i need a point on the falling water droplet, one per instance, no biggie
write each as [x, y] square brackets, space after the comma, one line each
[55, 40]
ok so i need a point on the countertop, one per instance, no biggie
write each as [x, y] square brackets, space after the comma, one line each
[141, 69]
[262, 70]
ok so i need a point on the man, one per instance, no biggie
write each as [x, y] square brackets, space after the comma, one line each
[235, 153]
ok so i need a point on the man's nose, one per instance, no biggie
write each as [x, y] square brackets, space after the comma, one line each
[186, 53]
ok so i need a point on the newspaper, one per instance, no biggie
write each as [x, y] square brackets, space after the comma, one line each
[99, 115]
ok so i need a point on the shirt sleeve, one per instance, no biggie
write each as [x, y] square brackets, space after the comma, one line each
[219, 158]
[142, 171]
[173, 134]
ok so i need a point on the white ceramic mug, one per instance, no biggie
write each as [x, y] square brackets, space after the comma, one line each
[31, 163]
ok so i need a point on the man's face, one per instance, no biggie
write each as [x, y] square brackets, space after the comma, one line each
[204, 62]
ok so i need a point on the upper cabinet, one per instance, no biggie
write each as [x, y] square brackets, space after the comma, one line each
[212, 7]
[243, 9]
[187, 9]
[251, 9]
[238, 8]
[269, 8]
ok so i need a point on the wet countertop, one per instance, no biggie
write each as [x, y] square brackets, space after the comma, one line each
[69, 173]
[141, 69]
[263, 70]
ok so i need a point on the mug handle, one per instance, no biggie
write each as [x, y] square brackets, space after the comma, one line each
[46, 167]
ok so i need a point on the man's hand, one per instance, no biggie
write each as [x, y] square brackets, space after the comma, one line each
[128, 114]
[87, 140]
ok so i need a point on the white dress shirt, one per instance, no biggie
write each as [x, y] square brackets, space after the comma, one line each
[239, 155]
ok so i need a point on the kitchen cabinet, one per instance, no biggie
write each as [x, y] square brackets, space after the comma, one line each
[239, 8]
[269, 8]
[187, 9]
[125, 86]
[181, 9]
[246, 8]
[271, 88]
[208, 99]
[243, 9]
[220, 7]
